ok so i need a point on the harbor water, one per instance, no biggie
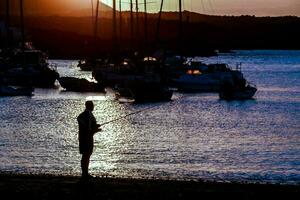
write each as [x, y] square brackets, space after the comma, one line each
[195, 136]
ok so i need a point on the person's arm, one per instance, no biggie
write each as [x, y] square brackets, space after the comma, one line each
[97, 129]
[93, 124]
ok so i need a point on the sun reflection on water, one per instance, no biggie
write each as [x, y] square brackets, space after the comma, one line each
[108, 142]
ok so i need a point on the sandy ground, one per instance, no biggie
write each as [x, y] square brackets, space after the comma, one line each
[14, 186]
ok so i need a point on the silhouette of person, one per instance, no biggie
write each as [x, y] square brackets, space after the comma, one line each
[87, 129]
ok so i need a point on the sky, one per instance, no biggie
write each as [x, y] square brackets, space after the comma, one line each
[212, 7]
[226, 7]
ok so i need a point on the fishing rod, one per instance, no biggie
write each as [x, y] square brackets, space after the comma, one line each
[125, 116]
[139, 111]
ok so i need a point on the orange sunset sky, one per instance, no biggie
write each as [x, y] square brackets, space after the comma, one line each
[213, 7]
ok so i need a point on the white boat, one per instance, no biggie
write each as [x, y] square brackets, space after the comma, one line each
[200, 77]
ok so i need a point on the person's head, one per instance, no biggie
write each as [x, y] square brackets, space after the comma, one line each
[89, 105]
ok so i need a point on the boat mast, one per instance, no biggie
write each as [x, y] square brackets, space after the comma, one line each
[120, 21]
[114, 21]
[159, 20]
[114, 36]
[92, 3]
[146, 25]
[180, 26]
[7, 22]
[137, 20]
[96, 26]
[22, 23]
[131, 22]
[93, 12]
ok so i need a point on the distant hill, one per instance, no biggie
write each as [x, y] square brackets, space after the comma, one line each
[72, 36]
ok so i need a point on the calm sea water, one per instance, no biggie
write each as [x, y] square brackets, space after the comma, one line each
[196, 136]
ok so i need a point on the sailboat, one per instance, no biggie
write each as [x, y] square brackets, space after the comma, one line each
[142, 75]
[89, 63]
[26, 66]
[29, 67]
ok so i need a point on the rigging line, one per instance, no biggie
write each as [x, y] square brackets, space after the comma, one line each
[140, 111]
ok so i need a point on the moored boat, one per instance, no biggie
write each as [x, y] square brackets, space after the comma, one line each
[24, 65]
[29, 67]
[237, 91]
[201, 77]
[16, 91]
[79, 85]
[144, 78]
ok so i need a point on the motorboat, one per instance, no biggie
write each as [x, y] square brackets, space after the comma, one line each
[79, 85]
[196, 76]
[235, 91]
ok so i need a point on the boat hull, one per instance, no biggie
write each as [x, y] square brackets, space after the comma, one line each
[79, 85]
[21, 77]
[210, 82]
[13, 91]
[247, 93]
